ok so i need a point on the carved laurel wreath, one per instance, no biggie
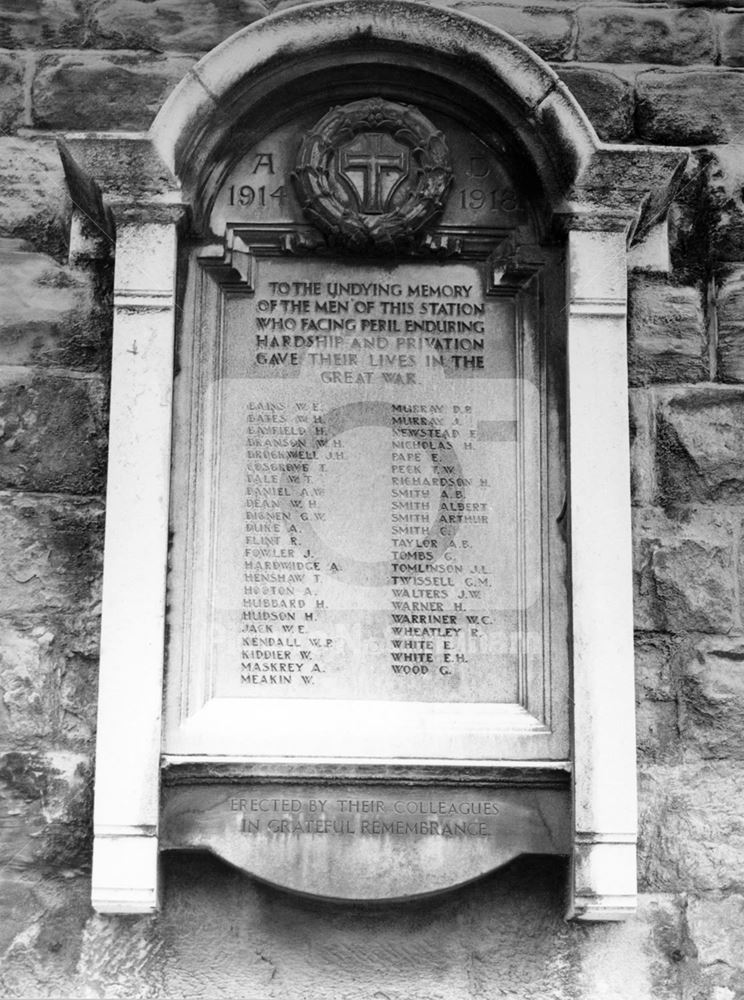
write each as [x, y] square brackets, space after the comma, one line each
[428, 182]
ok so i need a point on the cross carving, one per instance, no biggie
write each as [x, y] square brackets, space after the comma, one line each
[373, 158]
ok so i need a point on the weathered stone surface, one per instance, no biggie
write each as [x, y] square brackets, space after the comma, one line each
[667, 332]
[32, 195]
[546, 28]
[708, 3]
[731, 38]
[506, 930]
[725, 187]
[657, 666]
[730, 310]
[511, 935]
[51, 315]
[690, 107]
[104, 90]
[170, 25]
[636, 34]
[658, 931]
[48, 680]
[46, 804]
[416, 956]
[50, 553]
[700, 445]
[125, 951]
[606, 98]
[712, 721]
[643, 486]
[11, 92]
[691, 826]
[45, 928]
[41, 24]
[689, 223]
[657, 730]
[717, 928]
[52, 433]
[20, 906]
[686, 572]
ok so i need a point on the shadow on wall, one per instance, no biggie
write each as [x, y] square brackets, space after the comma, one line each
[222, 931]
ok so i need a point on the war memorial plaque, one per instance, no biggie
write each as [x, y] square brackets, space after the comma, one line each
[365, 632]
[365, 553]
[368, 524]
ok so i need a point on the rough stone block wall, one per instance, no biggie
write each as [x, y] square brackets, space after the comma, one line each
[669, 73]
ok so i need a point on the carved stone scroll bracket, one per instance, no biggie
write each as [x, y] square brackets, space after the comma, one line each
[92, 229]
[627, 188]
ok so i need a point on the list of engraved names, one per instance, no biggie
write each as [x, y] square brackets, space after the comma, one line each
[373, 475]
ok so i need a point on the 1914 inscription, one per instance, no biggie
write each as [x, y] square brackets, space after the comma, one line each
[373, 484]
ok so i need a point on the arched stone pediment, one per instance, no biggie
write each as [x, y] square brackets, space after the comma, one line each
[225, 96]
[305, 46]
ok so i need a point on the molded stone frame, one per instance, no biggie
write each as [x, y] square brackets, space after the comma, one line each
[602, 198]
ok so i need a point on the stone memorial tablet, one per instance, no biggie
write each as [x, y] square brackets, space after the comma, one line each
[364, 629]
[375, 512]
[367, 559]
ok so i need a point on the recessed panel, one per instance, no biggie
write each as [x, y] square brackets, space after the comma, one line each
[373, 521]
[368, 475]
